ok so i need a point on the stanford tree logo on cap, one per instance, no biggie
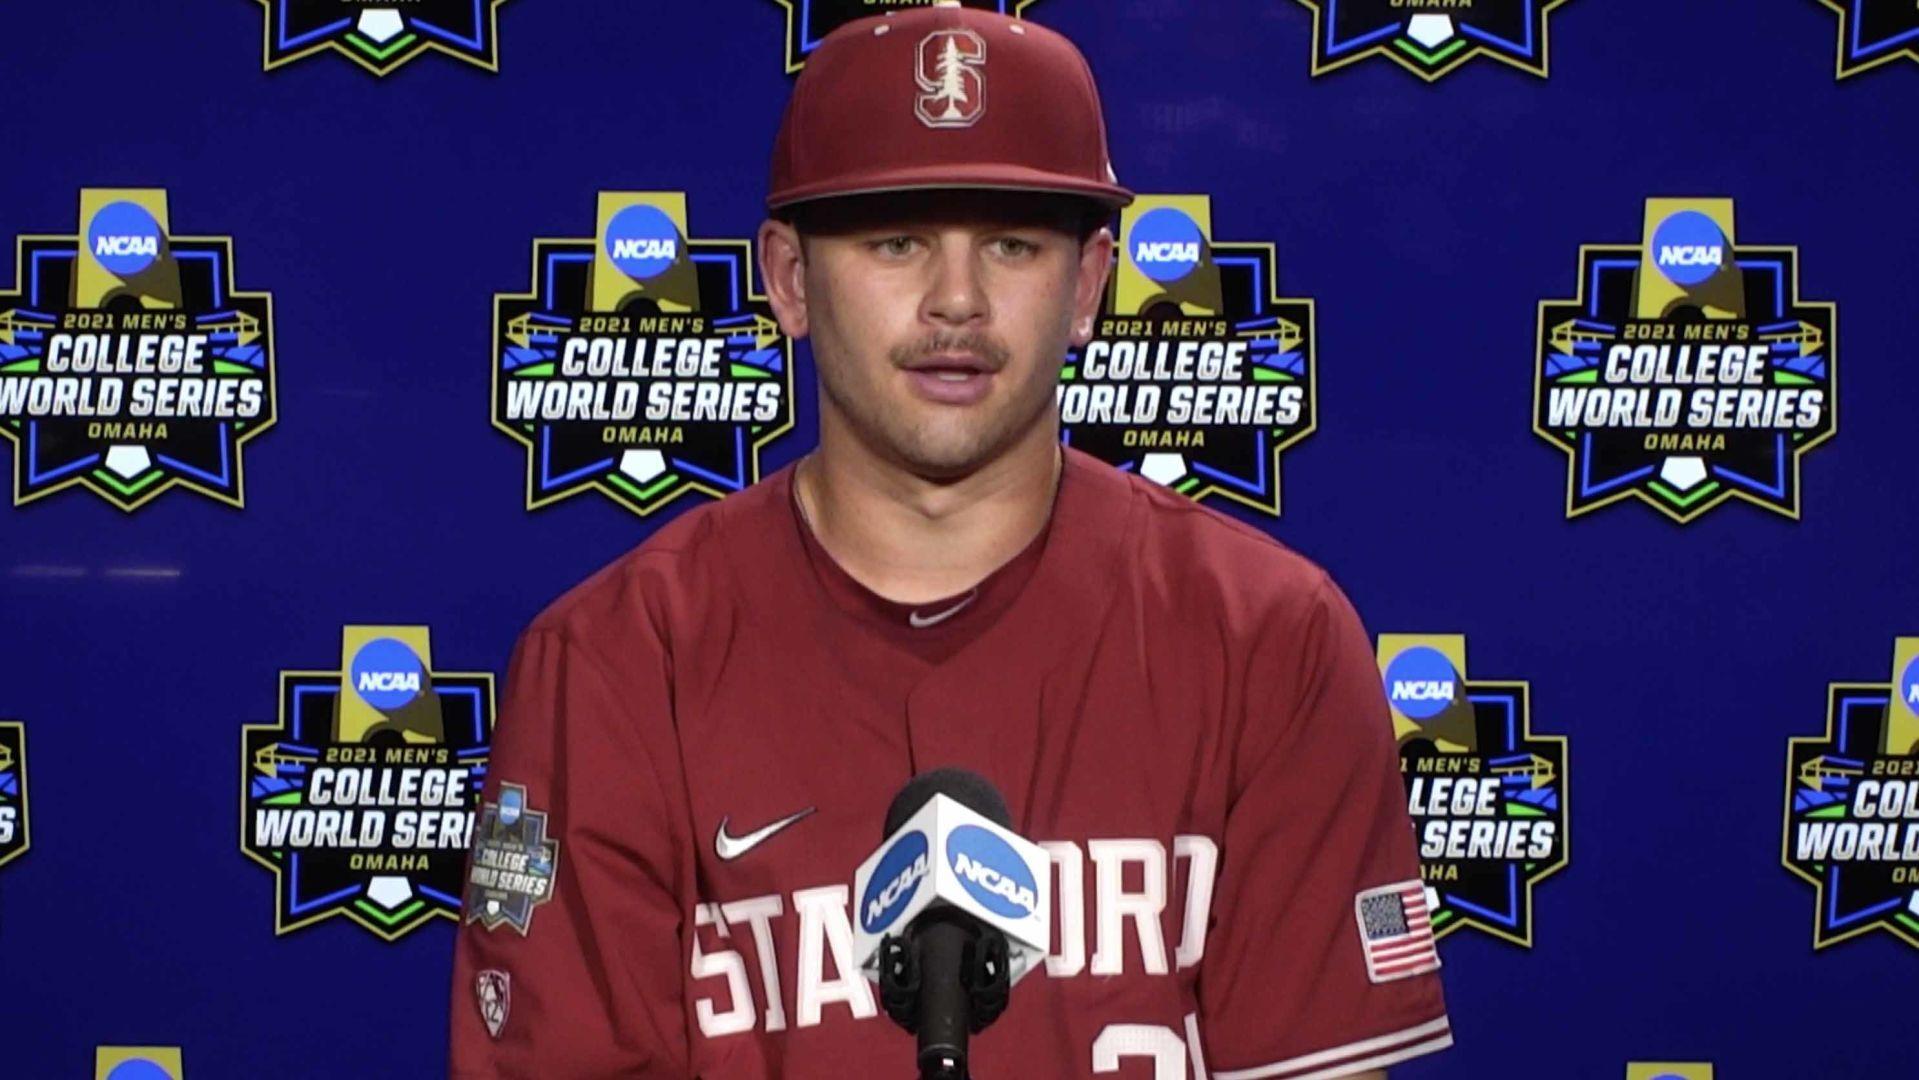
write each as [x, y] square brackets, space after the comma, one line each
[952, 74]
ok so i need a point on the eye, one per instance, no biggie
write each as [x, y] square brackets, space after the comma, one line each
[1015, 247]
[895, 246]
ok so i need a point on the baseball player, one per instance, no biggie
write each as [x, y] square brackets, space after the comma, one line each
[699, 743]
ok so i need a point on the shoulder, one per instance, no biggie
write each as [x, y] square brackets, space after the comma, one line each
[682, 569]
[1203, 564]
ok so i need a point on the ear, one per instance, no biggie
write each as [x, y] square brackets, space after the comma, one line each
[783, 275]
[1095, 266]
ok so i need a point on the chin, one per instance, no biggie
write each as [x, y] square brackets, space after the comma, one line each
[948, 457]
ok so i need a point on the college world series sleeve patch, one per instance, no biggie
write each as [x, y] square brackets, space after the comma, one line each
[1396, 931]
[513, 862]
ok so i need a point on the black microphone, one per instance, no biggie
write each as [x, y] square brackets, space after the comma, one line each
[946, 977]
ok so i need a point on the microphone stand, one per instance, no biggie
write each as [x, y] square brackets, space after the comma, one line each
[944, 1012]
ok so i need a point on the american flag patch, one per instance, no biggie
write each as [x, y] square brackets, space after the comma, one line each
[1396, 931]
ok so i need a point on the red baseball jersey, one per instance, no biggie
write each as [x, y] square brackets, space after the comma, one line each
[699, 743]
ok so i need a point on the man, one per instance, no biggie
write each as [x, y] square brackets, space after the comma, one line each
[1184, 713]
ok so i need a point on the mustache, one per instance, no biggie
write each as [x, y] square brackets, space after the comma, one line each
[979, 345]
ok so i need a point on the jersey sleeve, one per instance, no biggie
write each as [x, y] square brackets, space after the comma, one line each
[1319, 962]
[580, 977]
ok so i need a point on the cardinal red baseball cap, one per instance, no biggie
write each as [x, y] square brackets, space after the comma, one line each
[943, 97]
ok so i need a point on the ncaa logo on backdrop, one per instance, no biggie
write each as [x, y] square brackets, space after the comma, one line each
[381, 35]
[642, 365]
[129, 363]
[1430, 38]
[16, 834]
[1874, 32]
[1688, 372]
[809, 21]
[1199, 374]
[1487, 796]
[361, 798]
[138, 1063]
[1852, 807]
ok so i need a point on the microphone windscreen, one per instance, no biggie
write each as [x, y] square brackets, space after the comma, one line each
[964, 786]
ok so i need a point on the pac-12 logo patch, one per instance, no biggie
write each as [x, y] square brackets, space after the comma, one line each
[129, 363]
[1487, 796]
[514, 863]
[361, 799]
[493, 991]
[809, 21]
[642, 365]
[381, 35]
[1430, 38]
[1875, 32]
[1688, 371]
[1199, 374]
[15, 829]
[1852, 807]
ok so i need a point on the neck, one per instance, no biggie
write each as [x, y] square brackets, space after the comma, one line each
[914, 539]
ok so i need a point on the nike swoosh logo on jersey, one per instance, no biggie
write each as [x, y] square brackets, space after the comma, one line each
[729, 848]
[922, 622]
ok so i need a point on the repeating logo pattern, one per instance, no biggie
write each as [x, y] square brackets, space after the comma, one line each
[381, 35]
[361, 798]
[138, 1063]
[1199, 374]
[129, 363]
[1430, 38]
[16, 832]
[1874, 32]
[1852, 807]
[1688, 371]
[643, 364]
[1487, 795]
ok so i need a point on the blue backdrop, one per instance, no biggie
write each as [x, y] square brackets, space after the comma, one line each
[1426, 220]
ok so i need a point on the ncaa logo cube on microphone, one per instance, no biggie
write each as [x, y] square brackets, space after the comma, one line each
[947, 854]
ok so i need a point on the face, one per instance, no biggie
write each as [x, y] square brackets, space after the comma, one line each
[938, 320]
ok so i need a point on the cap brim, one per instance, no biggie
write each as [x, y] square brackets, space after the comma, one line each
[954, 177]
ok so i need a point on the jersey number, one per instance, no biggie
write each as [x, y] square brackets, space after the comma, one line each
[1163, 1045]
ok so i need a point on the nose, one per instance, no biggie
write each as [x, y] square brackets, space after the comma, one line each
[955, 295]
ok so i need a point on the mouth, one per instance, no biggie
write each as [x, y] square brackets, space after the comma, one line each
[951, 367]
[951, 378]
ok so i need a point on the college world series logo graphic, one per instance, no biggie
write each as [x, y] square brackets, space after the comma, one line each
[643, 365]
[1199, 373]
[361, 799]
[1487, 795]
[1875, 32]
[381, 35]
[809, 21]
[1852, 807]
[129, 364]
[15, 831]
[1688, 371]
[1430, 38]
